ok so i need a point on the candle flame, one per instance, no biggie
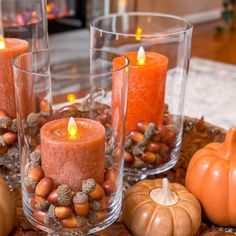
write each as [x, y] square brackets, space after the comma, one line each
[2, 42]
[71, 97]
[138, 33]
[141, 56]
[72, 128]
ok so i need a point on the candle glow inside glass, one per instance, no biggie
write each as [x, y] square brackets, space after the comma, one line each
[138, 33]
[71, 97]
[2, 42]
[141, 57]
[72, 128]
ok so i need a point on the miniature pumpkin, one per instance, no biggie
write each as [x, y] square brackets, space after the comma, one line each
[7, 209]
[150, 209]
[211, 177]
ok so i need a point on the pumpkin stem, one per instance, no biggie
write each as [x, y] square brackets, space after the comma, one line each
[164, 196]
[230, 143]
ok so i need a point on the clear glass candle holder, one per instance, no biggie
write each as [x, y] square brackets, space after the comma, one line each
[23, 27]
[71, 148]
[158, 47]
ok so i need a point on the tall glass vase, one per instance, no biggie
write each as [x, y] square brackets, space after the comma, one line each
[72, 148]
[158, 47]
[23, 27]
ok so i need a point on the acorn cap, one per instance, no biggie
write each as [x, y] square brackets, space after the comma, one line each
[13, 127]
[88, 185]
[30, 183]
[35, 158]
[51, 211]
[2, 141]
[95, 205]
[42, 206]
[93, 218]
[13, 152]
[48, 220]
[64, 195]
[5, 122]
[81, 221]
[80, 198]
[33, 119]
[150, 131]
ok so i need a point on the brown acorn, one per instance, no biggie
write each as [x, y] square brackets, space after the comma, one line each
[39, 215]
[129, 159]
[154, 147]
[38, 148]
[44, 187]
[3, 150]
[63, 212]
[70, 222]
[136, 136]
[44, 106]
[141, 126]
[111, 174]
[10, 138]
[41, 203]
[61, 196]
[93, 189]
[96, 217]
[99, 205]
[81, 204]
[36, 173]
[2, 113]
[109, 187]
[138, 163]
[149, 157]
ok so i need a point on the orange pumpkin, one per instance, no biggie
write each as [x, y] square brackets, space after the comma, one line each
[211, 177]
[150, 209]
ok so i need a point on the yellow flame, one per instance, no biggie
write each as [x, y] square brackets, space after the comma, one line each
[2, 42]
[71, 97]
[141, 57]
[138, 33]
[72, 128]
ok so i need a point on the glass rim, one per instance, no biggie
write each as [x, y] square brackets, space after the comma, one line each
[188, 24]
[126, 59]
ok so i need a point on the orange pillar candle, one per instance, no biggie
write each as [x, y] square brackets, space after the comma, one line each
[9, 49]
[73, 151]
[146, 87]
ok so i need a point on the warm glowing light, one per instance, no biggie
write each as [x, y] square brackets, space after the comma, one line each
[138, 33]
[2, 42]
[71, 97]
[72, 128]
[141, 57]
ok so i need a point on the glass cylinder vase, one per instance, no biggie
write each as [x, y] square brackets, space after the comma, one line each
[158, 47]
[71, 149]
[23, 27]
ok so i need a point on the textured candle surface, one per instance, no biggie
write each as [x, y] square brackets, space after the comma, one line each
[13, 48]
[146, 88]
[70, 160]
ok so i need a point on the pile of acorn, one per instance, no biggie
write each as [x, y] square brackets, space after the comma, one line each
[149, 146]
[56, 205]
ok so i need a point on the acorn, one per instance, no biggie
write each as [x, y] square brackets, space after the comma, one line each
[136, 136]
[168, 137]
[41, 203]
[129, 159]
[36, 173]
[111, 174]
[30, 184]
[139, 163]
[81, 204]
[35, 158]
[99, 205]
[93, 189]
[149, 157]
[38, 148]
[48, 220]
[62, 195]
[44, 187]
[109, 187]
[96, 217]
[63, 212]
[3, 149]
[141, 126]
[10, 138]
[33, 119]
[44, 106]
[70, 222]
[39, 215]
[154, 147]
[5, 122]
